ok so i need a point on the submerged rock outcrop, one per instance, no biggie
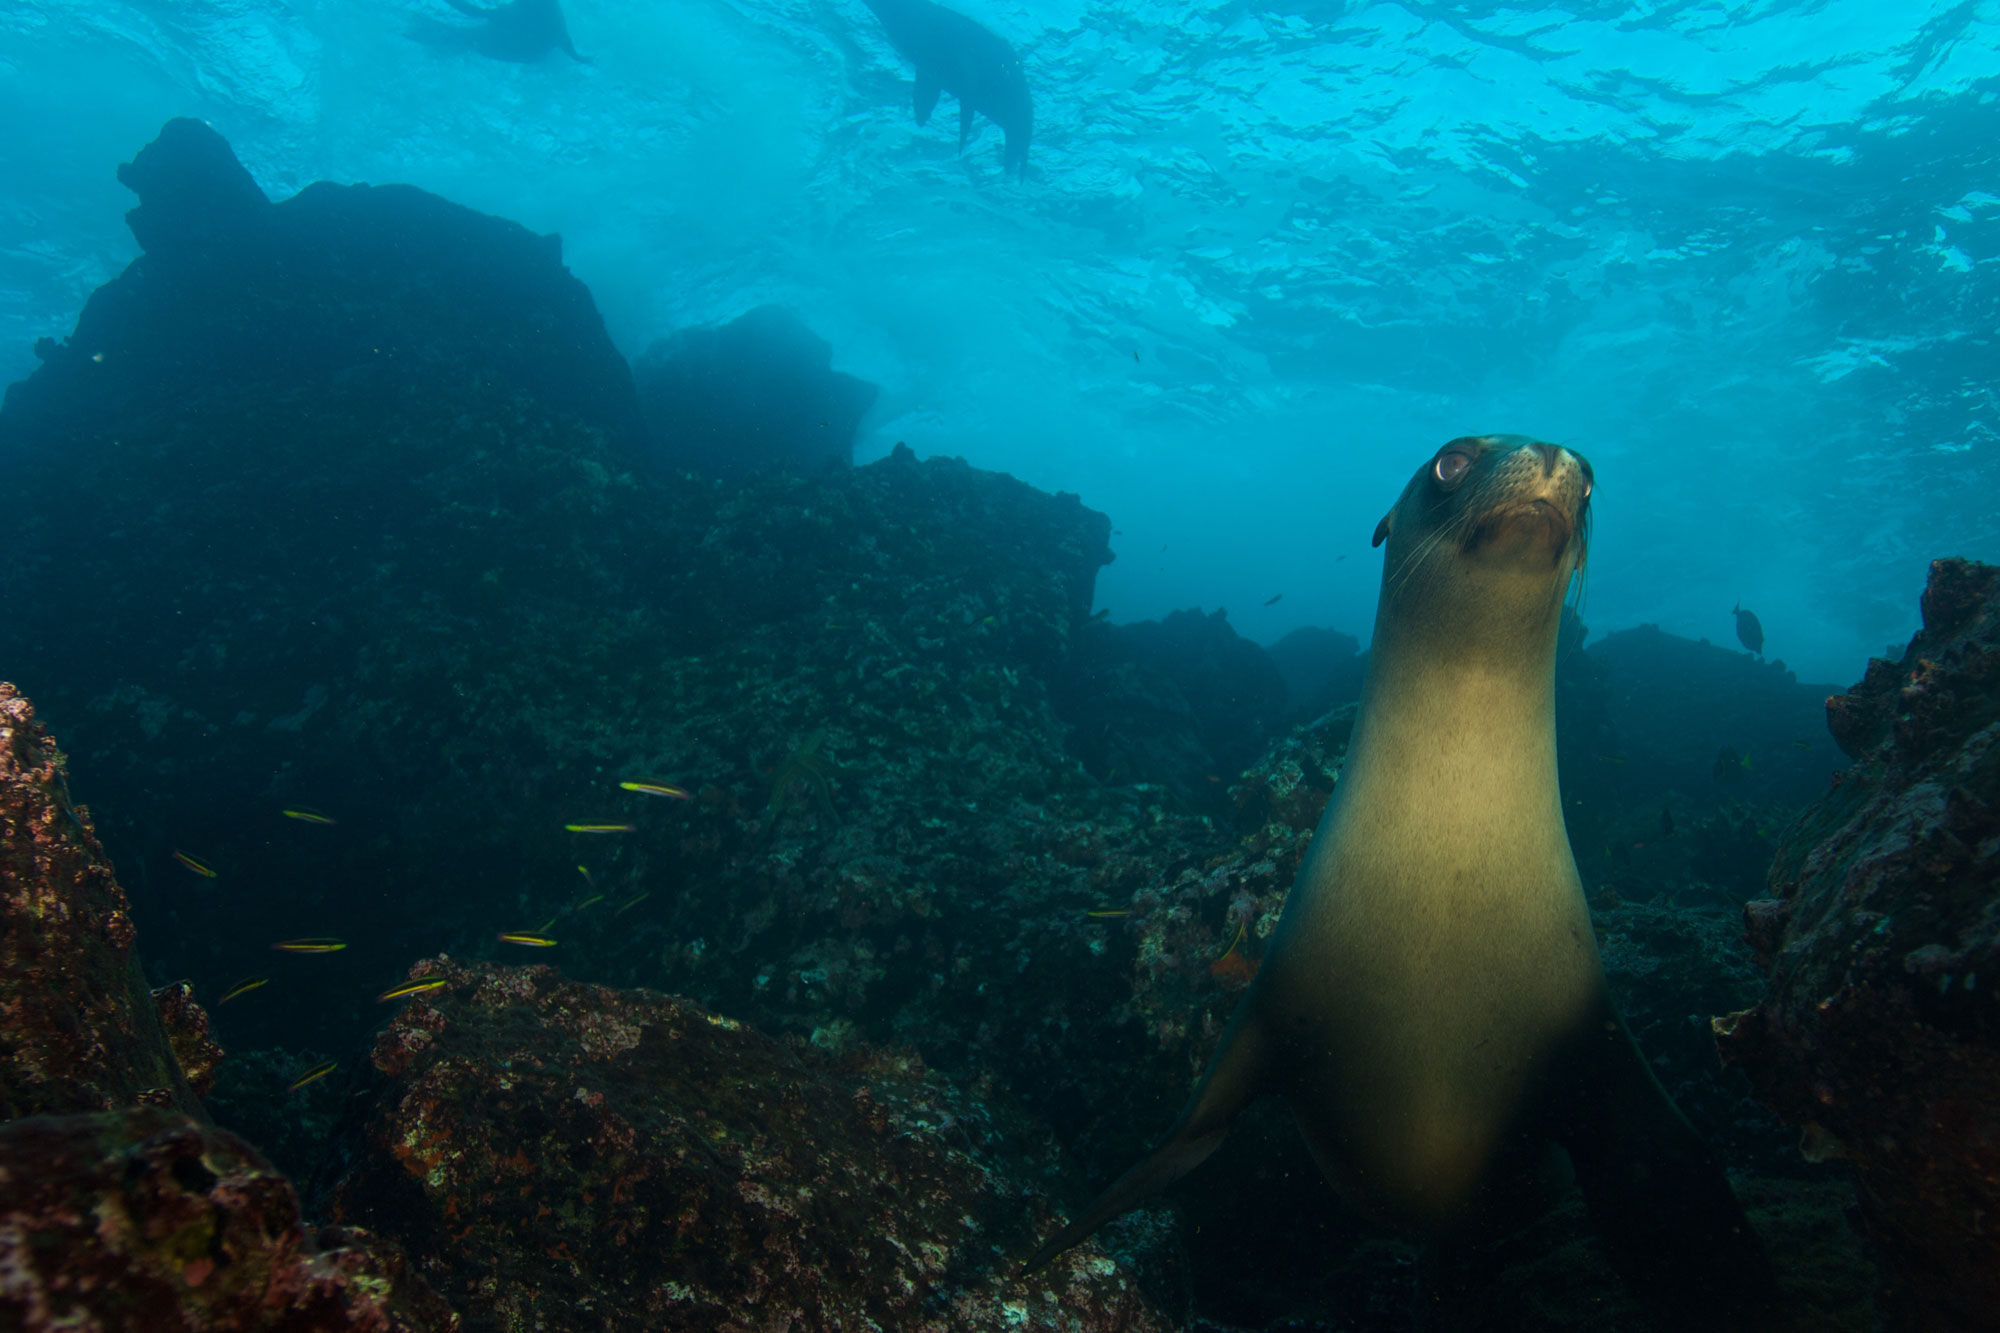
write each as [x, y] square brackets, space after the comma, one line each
[565, 1156]
[756, 392]
[342, 293]
[1880, 1034]
[78, 1030]
[145, 1222]
[132, 1215]
[424, 658]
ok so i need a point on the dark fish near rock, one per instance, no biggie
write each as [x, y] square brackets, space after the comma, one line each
[1749, 630]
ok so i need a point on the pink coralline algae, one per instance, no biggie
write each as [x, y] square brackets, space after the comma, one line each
[145, 1221]
[1880, 1034]
[77, 1028]
[568, 1156]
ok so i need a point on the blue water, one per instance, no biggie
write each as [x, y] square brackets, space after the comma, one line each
[1746, 257]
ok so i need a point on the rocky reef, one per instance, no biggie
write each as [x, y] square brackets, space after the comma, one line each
[78, 1030]
[757, 392]
[340, 294]
[145, 1221]
[1880, 1033]
[131, 1215]
[562, 1155]
[430, 659]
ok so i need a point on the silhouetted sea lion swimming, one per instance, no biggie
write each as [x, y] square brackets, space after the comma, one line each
[953, 54]
[1432, 1005]
[522, 31]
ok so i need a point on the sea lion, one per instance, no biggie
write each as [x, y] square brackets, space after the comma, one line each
[1431, 1004]
[956, 55]
[522, 31]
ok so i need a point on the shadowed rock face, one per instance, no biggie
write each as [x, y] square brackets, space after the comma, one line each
[145, 1221]
[757, 392]
[567, 1156]
[1880, 1035]
[78, 1032]
[387, 290]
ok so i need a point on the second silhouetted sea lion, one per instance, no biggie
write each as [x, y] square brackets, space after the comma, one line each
[1431, 1004]
[522, 31]
[956, 55]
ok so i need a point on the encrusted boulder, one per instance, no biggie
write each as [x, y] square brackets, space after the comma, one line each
[559, 1155]
[1880, 1034]
[78, 1031]
[142, 1221]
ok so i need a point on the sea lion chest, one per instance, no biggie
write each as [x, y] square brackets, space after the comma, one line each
[1433, 957]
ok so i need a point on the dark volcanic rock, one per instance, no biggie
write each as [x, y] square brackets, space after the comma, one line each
[1679, 705]
[78, 1032]
[757, 392]
[145, 1222]
[1184, 701]
[566, 1156]
[1322, 668]
[382, 291]
[1880, 1034]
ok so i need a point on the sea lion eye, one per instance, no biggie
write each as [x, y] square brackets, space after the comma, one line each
[1451, 467]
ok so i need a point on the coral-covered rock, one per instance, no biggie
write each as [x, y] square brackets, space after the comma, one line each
[1880, 1035]
[78, 1030]
[145, 1222]
[757, 392]
[568, 1156]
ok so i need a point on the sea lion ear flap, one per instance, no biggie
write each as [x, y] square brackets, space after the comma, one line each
[1383, 529]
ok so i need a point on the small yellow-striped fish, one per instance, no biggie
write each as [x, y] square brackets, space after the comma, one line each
[658, 789]
[533, 941]
[314, 1075]
[308, 816]
[632, 902]
[1101, 912]
[316, 944]
[198, 867]
[243, 987]
[593, 898]
[417, 987]
[601, 828]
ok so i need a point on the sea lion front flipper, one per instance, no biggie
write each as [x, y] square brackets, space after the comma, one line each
[928, 89]
[1235, 1078]
[1657, 1197]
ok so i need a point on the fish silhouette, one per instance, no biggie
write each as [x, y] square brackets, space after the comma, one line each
[1749, 629]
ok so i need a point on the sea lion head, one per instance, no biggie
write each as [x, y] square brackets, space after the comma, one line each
[1484, 540]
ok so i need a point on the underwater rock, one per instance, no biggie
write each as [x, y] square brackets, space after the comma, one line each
[1880, 1033]
[759, 391]
[144, 1222]
[1184, 701]
[78, 1031]
[341, 288]
[560, 1155]
[1678, 702]
[1322, 669]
